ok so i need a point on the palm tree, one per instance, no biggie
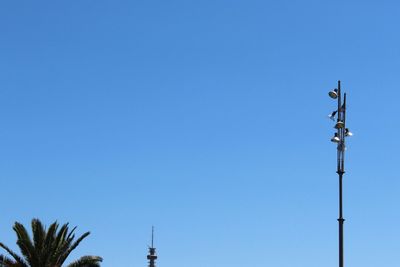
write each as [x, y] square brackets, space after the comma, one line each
[48, 248]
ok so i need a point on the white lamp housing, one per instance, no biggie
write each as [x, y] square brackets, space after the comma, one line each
[347, 132]
[335, 138]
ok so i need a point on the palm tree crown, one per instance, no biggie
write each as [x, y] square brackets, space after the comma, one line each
[47, 248]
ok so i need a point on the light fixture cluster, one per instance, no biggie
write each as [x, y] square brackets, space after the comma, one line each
[340, 123]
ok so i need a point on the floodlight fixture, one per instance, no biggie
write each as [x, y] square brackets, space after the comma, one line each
[334, 93]
[335, 138]
[347, 132]
[339, 125]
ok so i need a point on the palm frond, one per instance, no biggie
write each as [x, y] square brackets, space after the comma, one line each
[73, 246]
[86, 261]
[39, 234]
[7, 262]
[49, 241]
[61, 244]
[25, 244]
[17, 258]
[51, 233]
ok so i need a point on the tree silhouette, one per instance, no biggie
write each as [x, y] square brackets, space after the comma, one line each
[47, 248]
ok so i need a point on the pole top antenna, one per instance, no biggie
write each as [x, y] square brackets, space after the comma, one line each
[152, 236]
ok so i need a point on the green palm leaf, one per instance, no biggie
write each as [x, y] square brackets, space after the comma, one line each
[17, 258]
[86, 261]
[7, 262]
[25, 244]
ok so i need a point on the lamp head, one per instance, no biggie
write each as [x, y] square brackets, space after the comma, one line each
[334, 93]
[347, 132]
[335, 138]
[339, 125]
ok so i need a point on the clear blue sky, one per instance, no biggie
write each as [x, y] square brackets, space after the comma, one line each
[207, 119]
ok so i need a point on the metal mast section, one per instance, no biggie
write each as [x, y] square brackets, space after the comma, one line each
[152, 251]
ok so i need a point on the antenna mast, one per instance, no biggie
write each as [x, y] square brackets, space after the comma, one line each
[152, 251]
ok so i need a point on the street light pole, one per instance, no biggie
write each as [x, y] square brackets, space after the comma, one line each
[339, 138]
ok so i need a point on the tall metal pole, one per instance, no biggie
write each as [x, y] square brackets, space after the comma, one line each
[339, 138]
[340, 172]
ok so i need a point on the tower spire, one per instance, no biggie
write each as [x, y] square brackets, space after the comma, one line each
[152, 251]
[152, 235]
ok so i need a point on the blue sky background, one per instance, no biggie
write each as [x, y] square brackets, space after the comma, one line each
[207, 119]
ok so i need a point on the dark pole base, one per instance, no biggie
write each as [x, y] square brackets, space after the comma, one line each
[341, 256]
